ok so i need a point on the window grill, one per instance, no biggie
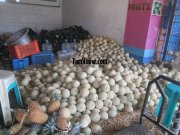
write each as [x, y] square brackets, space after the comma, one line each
[171, 43]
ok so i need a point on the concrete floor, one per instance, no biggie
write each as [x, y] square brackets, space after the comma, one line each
[135, 130]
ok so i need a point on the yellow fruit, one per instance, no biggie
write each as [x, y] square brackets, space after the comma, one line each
[19, 114]
[37, 116]
[62, 123]
[34, 105]
[54, 106]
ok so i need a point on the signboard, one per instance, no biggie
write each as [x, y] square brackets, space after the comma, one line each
[157, 8]
[140, 6]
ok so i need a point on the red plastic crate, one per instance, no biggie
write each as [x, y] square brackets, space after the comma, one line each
[22, 51]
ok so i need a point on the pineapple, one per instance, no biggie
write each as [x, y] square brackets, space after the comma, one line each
[61, 133]
[32, 133]
[34, 105]
[75, 128]
[53, 115]
[55, 104]
[50, 127]
[62, 123]
[37, 116]
[19, 114]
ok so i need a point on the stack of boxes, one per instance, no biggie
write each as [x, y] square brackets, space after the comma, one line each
[24, 55]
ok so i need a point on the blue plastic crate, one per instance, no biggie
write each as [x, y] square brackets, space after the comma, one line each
[18, 64]
[42, 58]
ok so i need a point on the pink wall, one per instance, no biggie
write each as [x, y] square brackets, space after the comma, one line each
[141, 28]
[154, 28]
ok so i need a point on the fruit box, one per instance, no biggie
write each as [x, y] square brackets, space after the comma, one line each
[18, 64]
[22, 51]
[42, 58]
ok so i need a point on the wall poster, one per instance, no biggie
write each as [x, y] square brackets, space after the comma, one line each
[157, 8]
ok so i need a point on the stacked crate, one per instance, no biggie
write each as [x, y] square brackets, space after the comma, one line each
[18, 64]
[42, 58]
[25, 55]
[20, 53]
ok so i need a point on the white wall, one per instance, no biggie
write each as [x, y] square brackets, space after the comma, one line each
[16, 16]
[100, 17]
